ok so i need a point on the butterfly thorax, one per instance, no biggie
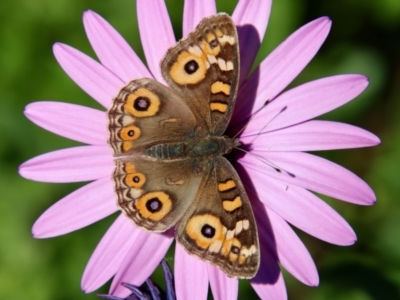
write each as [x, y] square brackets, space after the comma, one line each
[206, 147]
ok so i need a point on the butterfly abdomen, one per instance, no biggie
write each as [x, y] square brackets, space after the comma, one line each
[167, 151]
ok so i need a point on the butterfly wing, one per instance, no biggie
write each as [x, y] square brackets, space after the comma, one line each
[204, 69]
[146, 112]
[155, 194]
[219, 227]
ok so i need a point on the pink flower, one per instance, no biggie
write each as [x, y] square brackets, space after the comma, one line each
[279, 134]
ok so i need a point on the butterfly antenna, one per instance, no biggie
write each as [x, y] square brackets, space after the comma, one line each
[262, 129]
[251, 118]
[266, 162]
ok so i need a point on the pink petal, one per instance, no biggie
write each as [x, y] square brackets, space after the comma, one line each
[109, 254]
[313, 173]
[191, 276]
[281, 67]
[141, 260]
[79, 123]
[155, 32]
[251, 18]
[279, 237]
[222, 286]
[82, 207]
[76, 164]
[92, 77]
[269, 283]
[308, 101]
[312, 136]
[304, 210]
[194, 11]
[112, 50]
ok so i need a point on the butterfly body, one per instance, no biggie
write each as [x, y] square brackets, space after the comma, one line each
[169, 151]
[206, 148]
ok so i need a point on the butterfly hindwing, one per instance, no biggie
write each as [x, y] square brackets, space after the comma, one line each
[204, 69]
[219, 227]
[155, 194]
[145, 112]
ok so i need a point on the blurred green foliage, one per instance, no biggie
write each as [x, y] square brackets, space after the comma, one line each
[364, 39]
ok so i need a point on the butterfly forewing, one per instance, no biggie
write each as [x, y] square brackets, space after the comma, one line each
[204, 69]
[146, 112]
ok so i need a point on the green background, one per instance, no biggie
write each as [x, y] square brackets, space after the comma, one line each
[364, 39]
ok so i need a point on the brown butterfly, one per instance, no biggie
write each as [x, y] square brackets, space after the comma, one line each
[169, 144]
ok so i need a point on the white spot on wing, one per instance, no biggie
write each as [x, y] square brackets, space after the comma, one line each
[127, 120]
[226, 39]
[195, 50]
[230, 234]
[239, 227]
[246, 224]
[215, 246]
[135, 193]
[212, 59]
[222, 64]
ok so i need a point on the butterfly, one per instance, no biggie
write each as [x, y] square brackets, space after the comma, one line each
[169, 151]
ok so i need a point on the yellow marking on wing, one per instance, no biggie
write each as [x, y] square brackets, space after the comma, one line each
[170, 120]
[164, 202]
[217, 106]
[242, 259]
[178, 73]
[133, 100]
[176, 182]
[126, 146]
[135, 180]
[210, 37]
[227, 185]
[220, 87]
[165, 123]
[233, 257]
[229, 205]
[218, 33]
[227, 247]
[195, 226]
[209, 49]
[130, 168]
[130, 133]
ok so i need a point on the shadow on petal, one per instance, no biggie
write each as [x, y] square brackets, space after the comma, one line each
[248, 35]
[269, 271]
[249, 39]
